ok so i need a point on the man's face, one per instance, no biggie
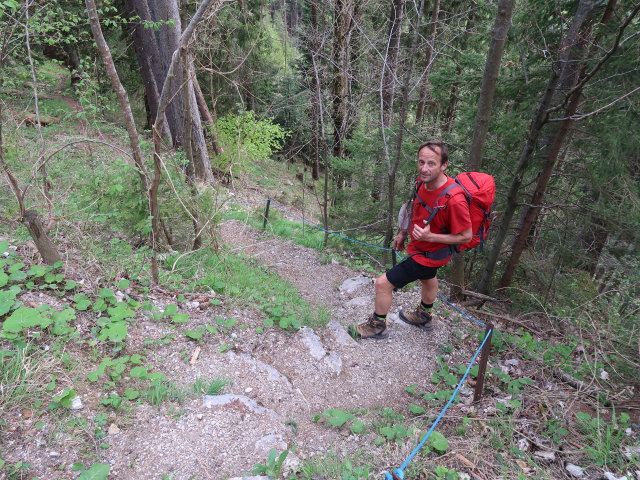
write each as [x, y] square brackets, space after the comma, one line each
[429, 166]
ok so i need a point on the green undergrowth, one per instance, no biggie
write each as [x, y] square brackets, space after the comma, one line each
[244, 281]
[350, 251]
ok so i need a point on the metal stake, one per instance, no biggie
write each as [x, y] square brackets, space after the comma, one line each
[266, 214]
[484, 358]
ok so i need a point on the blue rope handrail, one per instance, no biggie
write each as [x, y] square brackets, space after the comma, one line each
[400, 471]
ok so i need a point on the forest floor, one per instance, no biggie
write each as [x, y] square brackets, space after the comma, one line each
[284, 390]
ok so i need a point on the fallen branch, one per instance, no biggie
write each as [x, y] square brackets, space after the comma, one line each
[581, 386]
[481, 296]
[503, 317]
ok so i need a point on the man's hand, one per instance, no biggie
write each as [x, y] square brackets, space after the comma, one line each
[423, 234]
[398, 241]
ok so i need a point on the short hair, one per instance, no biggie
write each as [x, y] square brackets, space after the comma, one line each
[432, 144]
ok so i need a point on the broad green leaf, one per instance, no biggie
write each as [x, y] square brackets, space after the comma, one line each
[7, 300]
[65, 398]
[438, 442]
[15, 267]
[97, 471]
[138, 372]
[4, 246]
[37, 271]
[65, 315]
[4, 279]
[417, 409]
[180, 318]
[106, 293]
[337, 417]
[123, 284]
[23, 317]
[131, 393]
[170, 309]
[193, 334]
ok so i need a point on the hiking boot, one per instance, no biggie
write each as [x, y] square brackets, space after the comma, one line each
[373, 328]
[419, 318]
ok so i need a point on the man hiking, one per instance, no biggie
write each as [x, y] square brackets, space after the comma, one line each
[430, 245]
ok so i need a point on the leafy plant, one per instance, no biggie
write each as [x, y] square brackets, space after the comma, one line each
[604, 438]
[273, 467]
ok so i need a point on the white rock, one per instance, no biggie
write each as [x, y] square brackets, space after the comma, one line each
[76, 403]
[312, 341]
[359, 302]
[631, 452]
[350, 285]
[611, 476]
[512, 362]
[291, 464]
[54, 454]
[340, 335]
[545, 455]
[524, 445]
[574, 470]
[604, 375]
[334, 362]
[267, 443]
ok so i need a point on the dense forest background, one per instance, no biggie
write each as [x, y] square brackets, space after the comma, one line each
[542, 95]
[176, 102]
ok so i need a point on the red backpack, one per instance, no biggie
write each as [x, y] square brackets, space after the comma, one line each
[480, 191]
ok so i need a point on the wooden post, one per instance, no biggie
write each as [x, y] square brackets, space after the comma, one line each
[484, 358]
[393, 258]
[266, 214]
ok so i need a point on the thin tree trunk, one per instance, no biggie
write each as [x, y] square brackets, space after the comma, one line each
[428, 60]
[390, 67]
[388, 81]
[485, 104]
[393, 167]
[45, 246]
[489, 80]
[207, 118]
[314, 81]
[538, 195]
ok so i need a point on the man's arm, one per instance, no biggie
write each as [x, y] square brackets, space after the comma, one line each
[398, 241]
[426, 235]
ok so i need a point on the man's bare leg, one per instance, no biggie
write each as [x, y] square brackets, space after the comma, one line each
[429, 290]
[384, 295]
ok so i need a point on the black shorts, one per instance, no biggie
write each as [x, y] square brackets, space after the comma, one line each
[409, 271]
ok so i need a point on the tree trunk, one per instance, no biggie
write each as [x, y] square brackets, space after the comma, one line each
[390, 67]
[207, 119]
[428, 60]
[489, 80]
[154, 49]
[343, 28]
[316, 94]
[45, 246]
[388, 81]
[485, 104]
[536, 200]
